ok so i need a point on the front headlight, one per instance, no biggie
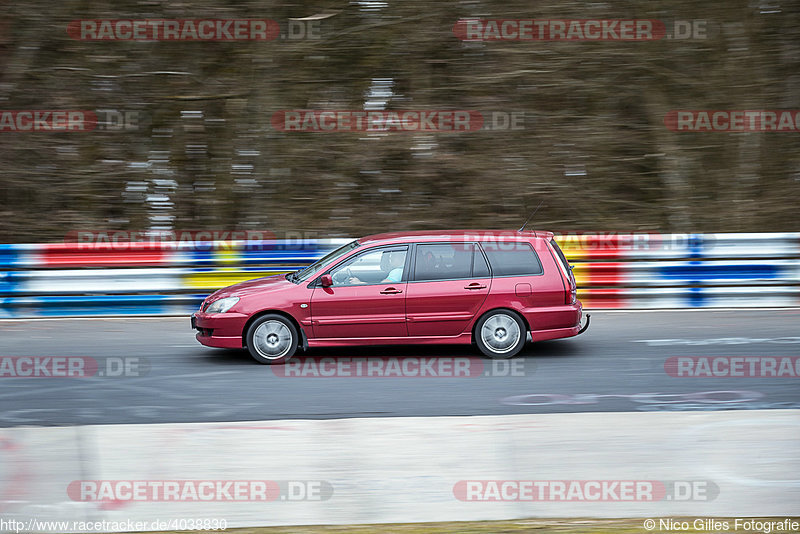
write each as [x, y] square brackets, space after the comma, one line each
[222, 305]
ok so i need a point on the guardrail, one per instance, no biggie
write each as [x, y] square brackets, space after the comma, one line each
[145, 278]
[686, 270]
[612, 271]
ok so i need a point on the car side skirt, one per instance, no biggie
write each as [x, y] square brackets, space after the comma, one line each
[464, 338]
[235, 342]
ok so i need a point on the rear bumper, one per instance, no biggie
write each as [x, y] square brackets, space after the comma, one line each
[223, 330]
[570, 314]
[556, 333]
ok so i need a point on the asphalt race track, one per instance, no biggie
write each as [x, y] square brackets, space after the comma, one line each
[617, 365]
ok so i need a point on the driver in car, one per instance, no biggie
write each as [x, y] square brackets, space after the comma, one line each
[396, 262]
[395, 274]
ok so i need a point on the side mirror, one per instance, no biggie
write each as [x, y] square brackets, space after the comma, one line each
[326, 280]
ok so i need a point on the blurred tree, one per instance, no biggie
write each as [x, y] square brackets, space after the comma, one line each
[204, 155]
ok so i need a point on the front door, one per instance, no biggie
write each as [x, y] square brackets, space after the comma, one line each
[367, 298]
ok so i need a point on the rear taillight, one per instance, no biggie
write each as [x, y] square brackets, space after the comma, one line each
[574, 294]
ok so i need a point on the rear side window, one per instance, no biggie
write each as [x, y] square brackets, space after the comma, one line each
[512, 259]
[448, 261]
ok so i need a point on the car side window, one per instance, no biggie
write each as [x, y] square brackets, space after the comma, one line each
[372, 267]
[448, 261]
[512, 259]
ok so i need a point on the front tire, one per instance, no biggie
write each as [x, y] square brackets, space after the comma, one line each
[272, 339]
[500, 334]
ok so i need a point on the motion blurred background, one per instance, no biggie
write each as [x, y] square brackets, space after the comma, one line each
[593, 150]
[594, 145]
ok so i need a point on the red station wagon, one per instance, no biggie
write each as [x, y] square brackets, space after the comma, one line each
[490, 288]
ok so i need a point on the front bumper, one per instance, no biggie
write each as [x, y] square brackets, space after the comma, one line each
[223, 330]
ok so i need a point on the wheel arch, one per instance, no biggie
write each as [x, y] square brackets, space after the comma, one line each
[500, 308]
[303, 341]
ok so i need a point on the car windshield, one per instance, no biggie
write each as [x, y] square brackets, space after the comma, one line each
[308, 272]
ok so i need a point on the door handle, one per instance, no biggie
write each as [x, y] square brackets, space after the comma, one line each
[475, 285]
[390, 291]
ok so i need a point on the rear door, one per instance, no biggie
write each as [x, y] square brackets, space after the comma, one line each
[449, 283]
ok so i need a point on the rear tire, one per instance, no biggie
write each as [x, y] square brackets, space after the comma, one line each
[272, 339]
[500, 334]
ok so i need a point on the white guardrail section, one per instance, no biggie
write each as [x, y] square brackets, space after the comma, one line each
[627, 271]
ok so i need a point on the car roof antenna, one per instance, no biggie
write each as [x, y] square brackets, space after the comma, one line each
[531, 217]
